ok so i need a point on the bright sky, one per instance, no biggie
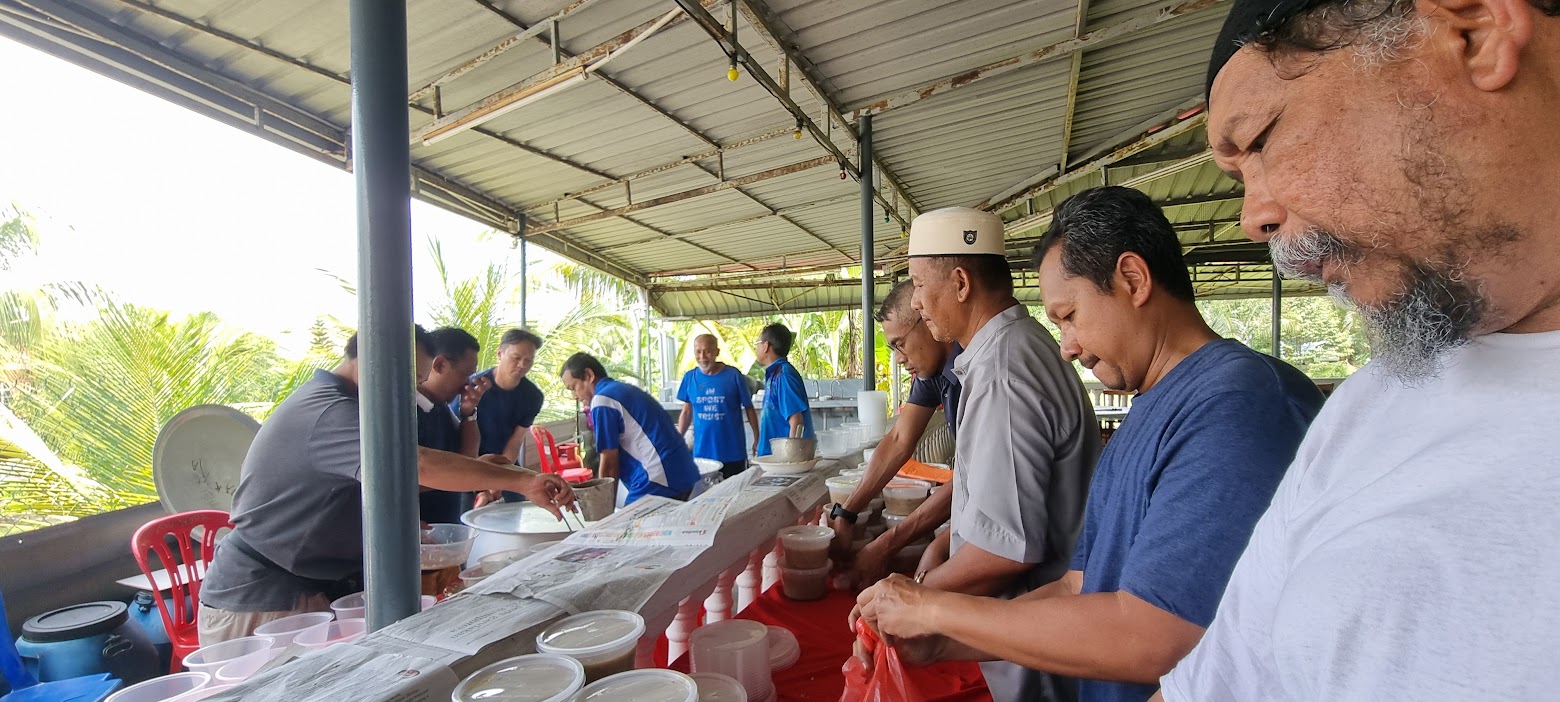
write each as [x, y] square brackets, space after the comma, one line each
[173, 210]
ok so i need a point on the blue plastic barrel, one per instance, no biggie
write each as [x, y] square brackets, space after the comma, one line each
[143, 611]
[87, 639]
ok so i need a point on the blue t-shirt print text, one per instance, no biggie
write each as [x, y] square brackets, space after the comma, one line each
[717, 402]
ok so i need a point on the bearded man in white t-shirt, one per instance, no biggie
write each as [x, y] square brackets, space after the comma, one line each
[1407, 154]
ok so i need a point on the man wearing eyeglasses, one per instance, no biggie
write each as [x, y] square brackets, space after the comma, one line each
[930, 362]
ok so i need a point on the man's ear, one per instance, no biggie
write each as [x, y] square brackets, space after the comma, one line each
[1486, 37]
[961, 284]
[1132, 276]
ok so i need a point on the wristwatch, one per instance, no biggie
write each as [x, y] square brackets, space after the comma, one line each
[838, 511]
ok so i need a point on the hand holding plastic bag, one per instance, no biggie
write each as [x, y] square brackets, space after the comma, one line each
[885, 682]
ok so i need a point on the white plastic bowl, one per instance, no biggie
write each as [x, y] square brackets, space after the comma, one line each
[543, 677]
[161, 689]
[209, 658]
[283, 630]
[339, 631]
[244, 667]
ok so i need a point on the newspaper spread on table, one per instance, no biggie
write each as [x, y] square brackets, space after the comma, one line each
[470, 621]
[348, 672]
[582, 578]
[660, 521]
[803, 490]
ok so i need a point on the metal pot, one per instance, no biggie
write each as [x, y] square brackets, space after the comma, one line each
[510, 525]
[789, 450]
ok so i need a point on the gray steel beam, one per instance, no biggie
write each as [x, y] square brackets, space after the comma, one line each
[386, 360]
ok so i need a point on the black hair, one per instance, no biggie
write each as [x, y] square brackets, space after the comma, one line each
[516, 336]
[581, 362]
[897, 302]
[779, 337]
[453, 342]
[1096, 226]
[423, 339]
[989, 271]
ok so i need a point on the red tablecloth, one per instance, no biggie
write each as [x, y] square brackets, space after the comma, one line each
[826, 643]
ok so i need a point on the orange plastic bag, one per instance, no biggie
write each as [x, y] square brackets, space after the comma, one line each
[886, 682]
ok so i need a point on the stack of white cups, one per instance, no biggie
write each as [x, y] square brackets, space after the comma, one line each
[738, 648]
[872, 411]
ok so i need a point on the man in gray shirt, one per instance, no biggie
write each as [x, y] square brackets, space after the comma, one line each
[1027, 434]
[298, 511]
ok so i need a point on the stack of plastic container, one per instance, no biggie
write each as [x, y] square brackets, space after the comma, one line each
[738, 648]
[805, 564]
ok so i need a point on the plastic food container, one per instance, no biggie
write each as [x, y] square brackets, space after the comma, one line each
[840, 488]
[494, 562]
[203, 693]
[283, 630]
[892, 520]
[655, 685]
[602, 641]
[208, 659]
[738, 648]
[866, 456]
[162, 689]
[244, 667]
[806, 547]
[445, 545]
[339, 631]
[805, 585]
[539, 677]
[355, 605]
[863, 520]
[901, 496]
[784, 649]
[876, 505]
[715, 687]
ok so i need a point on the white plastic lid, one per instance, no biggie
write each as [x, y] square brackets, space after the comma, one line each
[591, 633]
[731, 634]
[784, 650]
[653, 685]
[714, 687]
[514, 518]
[806, 535]
[539, 677]
[843, 481]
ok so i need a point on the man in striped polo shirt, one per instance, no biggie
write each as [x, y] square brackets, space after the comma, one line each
[638, 443]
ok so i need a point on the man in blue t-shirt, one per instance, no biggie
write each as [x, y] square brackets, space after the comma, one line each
[1177, 491]
[715, 397]
[509, 406]
[635, 438]
[786, 410]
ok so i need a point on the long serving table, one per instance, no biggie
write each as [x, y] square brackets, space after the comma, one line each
[723, 579]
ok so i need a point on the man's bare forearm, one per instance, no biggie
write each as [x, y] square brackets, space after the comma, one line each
[442, 470]
[470, 438]
[684, 419]
[609, 464]
[932, 513]
[973, 571]
[891, 453]
[515, 447]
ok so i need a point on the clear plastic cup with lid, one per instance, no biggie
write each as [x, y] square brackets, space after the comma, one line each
[602, 641]
[902, 495]
[840, 488]
[806, 547]
[806, 584]
[735, 647]
[892, 520]
[653, 685]
[538, 677]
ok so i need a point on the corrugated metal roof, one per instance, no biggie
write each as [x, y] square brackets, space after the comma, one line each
[659, 168]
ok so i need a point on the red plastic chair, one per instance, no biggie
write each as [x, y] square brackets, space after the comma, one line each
[555, 461]
[183, 576]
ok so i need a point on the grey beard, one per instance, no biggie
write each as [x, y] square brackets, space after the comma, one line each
[1413, 332]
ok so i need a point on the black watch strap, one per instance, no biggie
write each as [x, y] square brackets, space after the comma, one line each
[838, 511]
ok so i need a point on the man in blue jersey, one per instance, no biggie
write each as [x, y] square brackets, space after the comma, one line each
[1177, 491]
[715, 396]
[786, 410]
[635, 437]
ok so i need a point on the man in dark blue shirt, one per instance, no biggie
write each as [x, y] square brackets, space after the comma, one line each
[1176, 492]
[637, 441]
[786, 409]
[446, 415]
[509, 406]
[715, 399]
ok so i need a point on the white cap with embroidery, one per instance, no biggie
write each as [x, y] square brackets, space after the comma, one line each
[956, 231]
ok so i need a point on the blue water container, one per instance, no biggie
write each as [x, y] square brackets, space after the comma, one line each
[86, 639]
[143, 611]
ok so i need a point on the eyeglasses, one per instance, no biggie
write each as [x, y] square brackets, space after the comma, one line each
[898, 345]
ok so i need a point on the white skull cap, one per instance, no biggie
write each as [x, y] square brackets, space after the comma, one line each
[956, 231]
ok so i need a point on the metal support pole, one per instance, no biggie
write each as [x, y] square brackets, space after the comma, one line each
[386, 364]
[868, 330]
[1278, 315]
[525, 282]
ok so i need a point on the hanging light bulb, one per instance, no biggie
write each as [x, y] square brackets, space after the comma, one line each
[797, 134]
[731, 73]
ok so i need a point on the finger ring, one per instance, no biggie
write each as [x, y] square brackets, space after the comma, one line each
[919, 577]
